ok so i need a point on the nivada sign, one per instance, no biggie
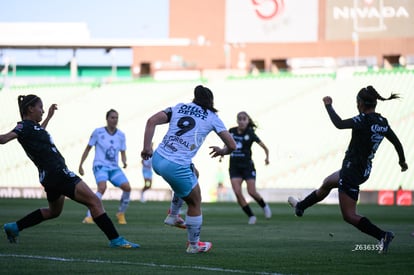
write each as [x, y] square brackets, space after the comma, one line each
[369, 18]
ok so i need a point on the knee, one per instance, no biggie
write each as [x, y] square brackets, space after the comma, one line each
[126, 187]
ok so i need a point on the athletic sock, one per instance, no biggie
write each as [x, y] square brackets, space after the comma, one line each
[107, 226]
[261, 202]
[193, 224]
[29, 220]
[176, 204]
[369, 228]
[99, 195]
[124, 201]
[310, 200]
[248, 210]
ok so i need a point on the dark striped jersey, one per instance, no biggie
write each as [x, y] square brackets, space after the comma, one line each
[368, 130]
[242, 156]
[39, 146]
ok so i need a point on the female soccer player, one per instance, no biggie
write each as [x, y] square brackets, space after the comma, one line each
[368, 130]
[189, 124]
[108, 142]
[242, 166]
[57, 180]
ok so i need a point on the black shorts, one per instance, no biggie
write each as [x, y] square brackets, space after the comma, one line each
[349, 181]
[59, 182]
[245, 173]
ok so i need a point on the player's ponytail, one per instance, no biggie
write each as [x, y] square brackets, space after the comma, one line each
[25, 101]
[369, 96]
[204, 98]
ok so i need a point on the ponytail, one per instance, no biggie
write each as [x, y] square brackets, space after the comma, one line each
[369, 96]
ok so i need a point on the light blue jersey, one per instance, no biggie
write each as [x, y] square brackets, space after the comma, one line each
[189, 125]
[107, 147]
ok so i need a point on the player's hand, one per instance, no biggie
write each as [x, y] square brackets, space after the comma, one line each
[327, 100]
[125, 165]
[216, 151]
[146, 154]
[52, 110]
[267, 161]
[81, 172]
[404, 166]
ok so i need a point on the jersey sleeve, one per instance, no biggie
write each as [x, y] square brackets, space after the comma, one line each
[168, 111]
[19, 129]
[218, 125]
[392, 137]
[337, 120]
[94, 138]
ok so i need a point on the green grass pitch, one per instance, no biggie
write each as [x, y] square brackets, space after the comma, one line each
[284, 244]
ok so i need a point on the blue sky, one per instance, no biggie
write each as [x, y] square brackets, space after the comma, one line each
[105, 19]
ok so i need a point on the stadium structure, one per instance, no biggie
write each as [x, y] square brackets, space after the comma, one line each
[274, 59]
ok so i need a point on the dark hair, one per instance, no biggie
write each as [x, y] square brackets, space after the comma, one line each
[369, 96]
[25, 101]
[251, 124]
[204, 98]
[109, 112]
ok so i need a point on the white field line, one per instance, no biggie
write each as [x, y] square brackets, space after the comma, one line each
[166, 266]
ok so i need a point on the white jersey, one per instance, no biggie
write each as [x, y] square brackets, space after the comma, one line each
[189, 125]
[107, 146]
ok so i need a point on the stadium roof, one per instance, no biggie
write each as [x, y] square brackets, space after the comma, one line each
[69, 36]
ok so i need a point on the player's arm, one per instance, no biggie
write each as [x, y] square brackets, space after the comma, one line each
[335, 118]
[124, 159]
[392, 137]
[157, 119]
[266, 151]
[50, 114]
[7, 137]
[83, 158]
[229, 145]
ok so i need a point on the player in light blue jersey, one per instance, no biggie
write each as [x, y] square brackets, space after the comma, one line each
[189, 124]
[109, 141]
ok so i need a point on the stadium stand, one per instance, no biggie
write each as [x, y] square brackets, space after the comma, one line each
[304, 145]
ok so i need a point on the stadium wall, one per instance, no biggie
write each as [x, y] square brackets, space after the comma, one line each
[343, 29]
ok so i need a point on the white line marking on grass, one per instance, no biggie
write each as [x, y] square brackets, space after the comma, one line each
[167, 266]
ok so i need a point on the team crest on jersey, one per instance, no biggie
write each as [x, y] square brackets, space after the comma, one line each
[246, 137]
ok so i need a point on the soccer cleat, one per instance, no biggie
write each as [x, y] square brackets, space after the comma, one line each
[200, 247]
[88, 220]
[267, 212]
[294, 202]
[385, 242]
[175, 220]
[252, 220]
[122, 243]
[12, 231]
[121, 218]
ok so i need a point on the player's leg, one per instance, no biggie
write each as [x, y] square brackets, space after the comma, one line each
[236, 184]
[347, 201]
[118, 179]
[173, 218]
[55, 208]
[252, 191]
[84, 195]
[316, 196]
[194, 220]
